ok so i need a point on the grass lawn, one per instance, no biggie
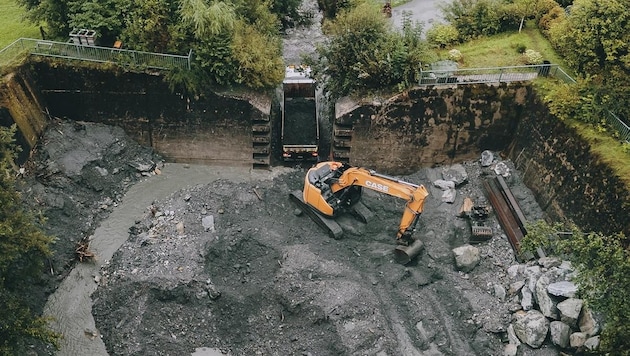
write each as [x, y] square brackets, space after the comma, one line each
[12, 25]
[501, 50]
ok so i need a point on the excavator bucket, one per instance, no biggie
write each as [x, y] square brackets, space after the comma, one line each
[404, 254]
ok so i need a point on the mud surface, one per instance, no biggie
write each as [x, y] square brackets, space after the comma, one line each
[224, 266]
[229, 267]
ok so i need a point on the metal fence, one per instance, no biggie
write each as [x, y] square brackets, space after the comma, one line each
[512, 74]
[485, 75]
[71, 50]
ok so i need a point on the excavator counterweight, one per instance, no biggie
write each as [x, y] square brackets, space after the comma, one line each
[332, 188]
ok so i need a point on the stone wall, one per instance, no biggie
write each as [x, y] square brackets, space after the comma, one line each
[212, 129]
[569, 180]
[426, 127]
[22, 104]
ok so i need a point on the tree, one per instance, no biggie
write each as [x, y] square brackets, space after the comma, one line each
[23, 250]
[365, 54]
[595, 37]
[594, 41]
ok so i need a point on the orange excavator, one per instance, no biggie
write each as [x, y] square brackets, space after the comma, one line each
[333, 188]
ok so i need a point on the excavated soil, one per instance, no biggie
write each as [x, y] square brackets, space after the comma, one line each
[228, 268]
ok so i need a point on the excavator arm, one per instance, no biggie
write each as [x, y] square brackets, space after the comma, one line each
[413, 194]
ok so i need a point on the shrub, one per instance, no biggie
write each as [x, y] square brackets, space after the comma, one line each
[442, 35]
[455, 55]
[532, 57]
[520, 48]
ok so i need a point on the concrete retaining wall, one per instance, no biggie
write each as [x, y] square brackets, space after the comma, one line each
[425, 127]
[212, 129]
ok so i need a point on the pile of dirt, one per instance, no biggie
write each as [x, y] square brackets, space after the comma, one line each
[229, 268]
[75, 177]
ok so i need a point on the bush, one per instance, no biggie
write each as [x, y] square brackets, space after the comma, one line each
[23, 250]
[532, 57]
[442, 35]
[520, 48]
[552, 17]
[455, 55]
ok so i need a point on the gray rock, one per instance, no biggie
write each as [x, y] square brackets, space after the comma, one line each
[577, 339]
[549, 261]
[487, 157]
[448, 196]
[512, 338]
[531, 328]
[562, 289]
[587, 322]
[501, 169]
[102, 171]
[142, 166]
[466, 257]
[514, 271]
[456, 173]
[500, 292]
[527, 301]
[208, 223]
[559, 333]
[532, 273]
[516, 287]
[444, 184]
[510, 350]
[570, 310]
[592, 343]
[546, 303]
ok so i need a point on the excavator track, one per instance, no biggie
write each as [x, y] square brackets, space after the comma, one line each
[329, 225]
[362, 213]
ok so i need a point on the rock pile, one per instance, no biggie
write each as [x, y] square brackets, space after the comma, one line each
[545, 304]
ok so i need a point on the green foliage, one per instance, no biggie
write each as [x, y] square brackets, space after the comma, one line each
[455, 55]
[442, 35]
[103, 16]
[595, 36]
[23, 250]
[532, 57]
[520, 48]
[475, 18]
[152, 26]
[365, 54]
[603, 274]
[553, 17]
[259, 65]
[579, 101]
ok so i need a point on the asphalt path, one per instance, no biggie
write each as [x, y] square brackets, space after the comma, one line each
[425, 11]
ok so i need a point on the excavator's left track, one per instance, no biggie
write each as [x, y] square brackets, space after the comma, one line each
[329, 225]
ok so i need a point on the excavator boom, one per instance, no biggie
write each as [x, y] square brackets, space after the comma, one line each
[332, 188]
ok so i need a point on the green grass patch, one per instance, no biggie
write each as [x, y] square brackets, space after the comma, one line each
[13, 25]
[502, 50]
[610, 150]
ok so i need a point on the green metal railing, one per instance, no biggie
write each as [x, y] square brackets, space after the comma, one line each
[74, 51]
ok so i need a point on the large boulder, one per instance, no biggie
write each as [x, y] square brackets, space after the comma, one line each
[570, 310]
[466, 257]
[531, 327]
[559, 333]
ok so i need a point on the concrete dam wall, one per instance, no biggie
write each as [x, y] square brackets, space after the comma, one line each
[397, 135]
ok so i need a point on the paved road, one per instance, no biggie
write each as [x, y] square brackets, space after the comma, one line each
[426, 11]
